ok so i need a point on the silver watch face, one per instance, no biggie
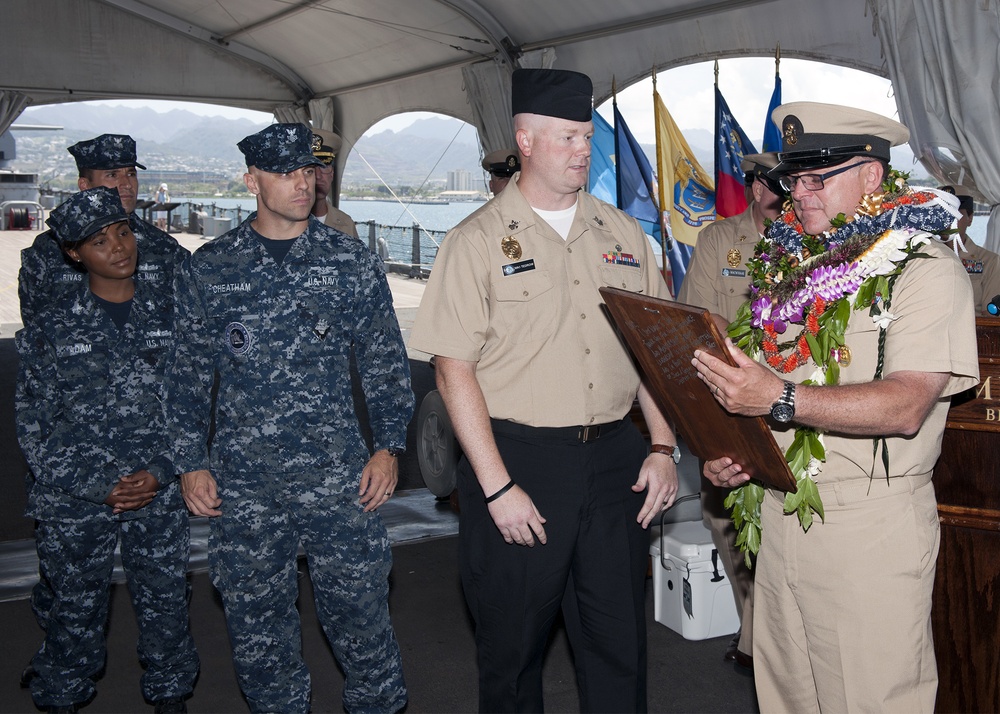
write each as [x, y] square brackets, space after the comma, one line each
[676, 455]
[782, 412]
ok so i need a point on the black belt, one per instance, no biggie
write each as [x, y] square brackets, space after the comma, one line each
[583, 434]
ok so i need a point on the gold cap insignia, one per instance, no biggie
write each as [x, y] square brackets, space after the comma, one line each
[791, 129]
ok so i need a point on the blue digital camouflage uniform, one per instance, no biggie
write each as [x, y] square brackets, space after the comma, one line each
[288, 453]
[89, 410]
[46, 275]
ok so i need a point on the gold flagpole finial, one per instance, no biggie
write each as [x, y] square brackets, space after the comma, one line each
[716, 73]
[777, 58]
[614, 89]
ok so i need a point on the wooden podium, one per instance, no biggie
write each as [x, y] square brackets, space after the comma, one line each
[966, 609]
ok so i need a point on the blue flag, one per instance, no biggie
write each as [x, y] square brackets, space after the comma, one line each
[603, 177]
[772, 134]
[680, 257]
[731, 145]
[635, 175]
[636, 188]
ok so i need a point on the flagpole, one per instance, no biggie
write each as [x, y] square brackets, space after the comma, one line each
[664, 233]
[618, 177]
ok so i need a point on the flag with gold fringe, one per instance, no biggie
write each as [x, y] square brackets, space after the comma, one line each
[685, 188]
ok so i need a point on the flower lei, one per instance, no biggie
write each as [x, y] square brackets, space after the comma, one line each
[813, 282]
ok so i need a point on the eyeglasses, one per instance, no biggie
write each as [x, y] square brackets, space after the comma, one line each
[814, 182]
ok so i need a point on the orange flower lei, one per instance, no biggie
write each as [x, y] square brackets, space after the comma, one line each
[769, 342]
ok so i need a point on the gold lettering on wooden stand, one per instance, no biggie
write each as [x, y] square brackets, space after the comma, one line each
[984, 389]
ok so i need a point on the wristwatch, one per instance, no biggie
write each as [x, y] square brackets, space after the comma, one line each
[395, 451]
[783, 410]
[673, 452]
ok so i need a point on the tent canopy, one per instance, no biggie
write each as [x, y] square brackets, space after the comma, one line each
[376, 58]
[345, 64]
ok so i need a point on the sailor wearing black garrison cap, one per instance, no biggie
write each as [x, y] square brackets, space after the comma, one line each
[556, 485]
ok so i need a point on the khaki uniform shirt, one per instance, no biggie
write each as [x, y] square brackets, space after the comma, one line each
[935, 331]
[335, 218]
[983, 267]
[717, 278]
[546, 353]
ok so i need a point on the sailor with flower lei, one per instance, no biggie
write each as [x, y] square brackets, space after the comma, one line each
[859, 328]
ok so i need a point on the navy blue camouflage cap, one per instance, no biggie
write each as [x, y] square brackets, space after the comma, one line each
[280, 148]
[85, 213]
[108, 151]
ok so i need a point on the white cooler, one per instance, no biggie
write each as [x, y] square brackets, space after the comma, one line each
[691, 591]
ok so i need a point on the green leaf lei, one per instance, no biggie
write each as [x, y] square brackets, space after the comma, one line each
[798, 279]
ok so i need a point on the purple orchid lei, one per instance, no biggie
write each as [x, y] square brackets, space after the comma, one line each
[828, 265]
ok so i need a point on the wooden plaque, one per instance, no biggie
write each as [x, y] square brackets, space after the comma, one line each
[663, 336]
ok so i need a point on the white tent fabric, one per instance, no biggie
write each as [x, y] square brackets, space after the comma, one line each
[487, 85]
[944, 63]
[374, 58]
[11, 106]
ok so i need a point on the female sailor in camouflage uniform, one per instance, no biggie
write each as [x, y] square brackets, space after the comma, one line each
[91, 424]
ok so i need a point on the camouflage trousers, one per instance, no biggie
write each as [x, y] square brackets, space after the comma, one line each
[76, 561]
[253, 559]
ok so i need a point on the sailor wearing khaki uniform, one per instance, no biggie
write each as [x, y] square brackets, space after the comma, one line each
[718, 280]
[325, 146]
[556, 487]
[843, 603]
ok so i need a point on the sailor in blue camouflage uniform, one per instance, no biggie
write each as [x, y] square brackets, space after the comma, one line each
[107, 160]
[46, 274]
[274, 308]
[91, 424]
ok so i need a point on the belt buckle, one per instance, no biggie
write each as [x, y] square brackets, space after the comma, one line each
[590, 433]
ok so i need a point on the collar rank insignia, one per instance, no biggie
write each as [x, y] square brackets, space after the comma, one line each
[512, 226]
[598, 221]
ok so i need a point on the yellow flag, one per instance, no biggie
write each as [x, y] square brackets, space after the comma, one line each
[693, 201]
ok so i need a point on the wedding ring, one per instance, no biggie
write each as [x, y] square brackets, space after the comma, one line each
[388, 493]
[716, 390]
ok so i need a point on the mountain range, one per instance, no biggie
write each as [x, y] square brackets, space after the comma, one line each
[422, 154]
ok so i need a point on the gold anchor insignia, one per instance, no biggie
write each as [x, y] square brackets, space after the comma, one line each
[844, 356]
[734, 257]
[512, 227]
[510, 247]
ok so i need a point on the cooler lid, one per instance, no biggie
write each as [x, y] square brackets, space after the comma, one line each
[688, 540]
